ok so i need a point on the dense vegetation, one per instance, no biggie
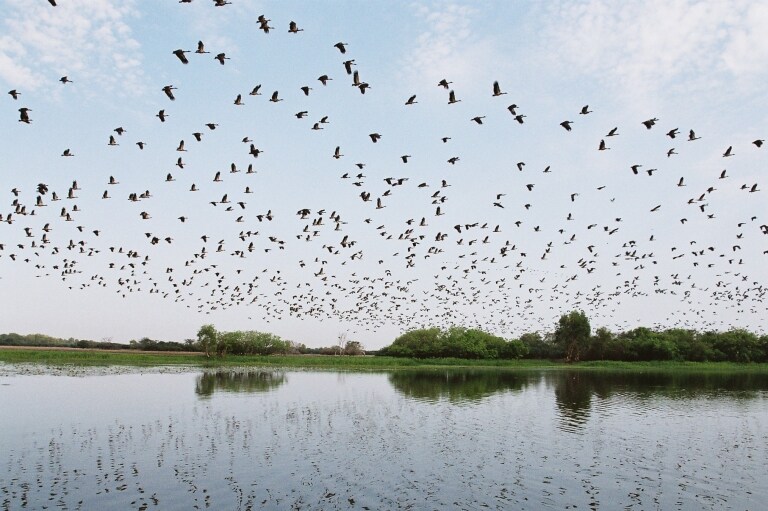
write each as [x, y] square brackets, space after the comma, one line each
[210, 341]
[456, 342]
[574, 341]
[145, 344]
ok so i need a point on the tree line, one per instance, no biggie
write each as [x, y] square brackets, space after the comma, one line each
[572, 340]
[456, 342]
[145, 344]
[250, 342]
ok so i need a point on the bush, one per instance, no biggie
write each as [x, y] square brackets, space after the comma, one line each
[456, 342]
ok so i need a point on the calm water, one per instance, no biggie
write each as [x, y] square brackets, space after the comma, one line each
[266, 439]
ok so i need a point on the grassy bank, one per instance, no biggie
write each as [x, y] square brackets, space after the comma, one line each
[103, 358]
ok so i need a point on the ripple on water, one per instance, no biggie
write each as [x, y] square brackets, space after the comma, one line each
[316, 441]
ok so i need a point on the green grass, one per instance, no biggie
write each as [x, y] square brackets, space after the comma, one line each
[105, 358]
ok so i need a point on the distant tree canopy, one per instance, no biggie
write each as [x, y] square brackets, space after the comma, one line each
[14, 339]
[457, 342]
[249, 342]
[573, 340]
[238, 342]
[145, 344]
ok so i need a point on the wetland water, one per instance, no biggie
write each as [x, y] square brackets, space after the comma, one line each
[116, 439]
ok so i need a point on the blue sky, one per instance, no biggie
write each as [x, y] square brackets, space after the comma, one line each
[693, 261]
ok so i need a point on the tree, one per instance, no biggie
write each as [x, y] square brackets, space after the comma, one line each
[572, 334]
[206, 339]
[353, 348]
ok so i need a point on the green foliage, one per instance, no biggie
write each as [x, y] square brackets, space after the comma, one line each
[456, 342]
[147, 344]
[13, 339]
[541, 348]
[207, 339]
[572, 334]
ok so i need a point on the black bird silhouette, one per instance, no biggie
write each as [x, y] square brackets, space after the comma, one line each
[180, 54]
[342, 47]
[24, 115]
[497, 89]
[293, 28]
[168, 89]
[650, 123]
[200, 47]
[15, 94]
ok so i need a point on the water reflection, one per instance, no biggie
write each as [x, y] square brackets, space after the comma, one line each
[401, 440]
[573, 396]
[459, 385]
[574, 391]
[238, 381]
[577, 393]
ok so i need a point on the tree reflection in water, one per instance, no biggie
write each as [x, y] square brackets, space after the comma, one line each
[459, 385]
[574, 390]
[240, 381]
[578, 392]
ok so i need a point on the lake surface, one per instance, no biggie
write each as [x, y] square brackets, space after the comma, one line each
[116, 439]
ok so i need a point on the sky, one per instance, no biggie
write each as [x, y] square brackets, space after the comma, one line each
[530, 220]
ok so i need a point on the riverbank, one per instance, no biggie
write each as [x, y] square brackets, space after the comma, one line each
[84, 357]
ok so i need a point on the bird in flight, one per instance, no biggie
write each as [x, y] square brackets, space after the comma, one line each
[24, 115]
[650, 123]
[168, 89]
[180, 54]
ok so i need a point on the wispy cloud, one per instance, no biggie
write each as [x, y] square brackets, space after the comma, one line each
[642, 47]
[88, 40]
[448, 47]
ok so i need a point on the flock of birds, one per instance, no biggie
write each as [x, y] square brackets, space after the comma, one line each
[436, 266]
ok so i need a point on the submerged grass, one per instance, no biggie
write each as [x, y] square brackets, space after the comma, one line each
[145, 359]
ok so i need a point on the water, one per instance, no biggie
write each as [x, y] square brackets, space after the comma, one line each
[118, 439]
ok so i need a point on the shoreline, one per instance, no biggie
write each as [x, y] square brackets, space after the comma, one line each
[95, 357]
